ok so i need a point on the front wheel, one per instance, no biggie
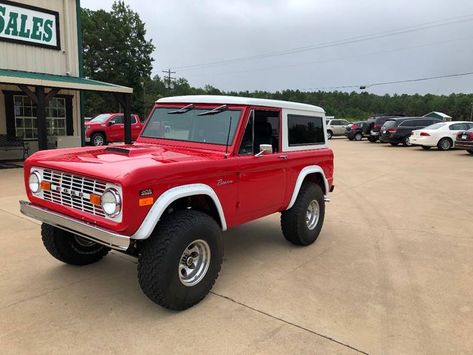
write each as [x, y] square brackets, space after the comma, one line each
[301, 224]
[70, 248]
[98, 139]
[179, 263]
[329, 134]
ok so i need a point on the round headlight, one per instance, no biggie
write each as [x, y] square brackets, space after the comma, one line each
[111, 202]
[35, 182]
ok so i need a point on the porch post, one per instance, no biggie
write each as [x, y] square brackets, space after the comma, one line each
[127, 118]
[41, 118]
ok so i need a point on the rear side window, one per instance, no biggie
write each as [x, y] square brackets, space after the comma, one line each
[389, 124]
[457, 126]
[305, 130]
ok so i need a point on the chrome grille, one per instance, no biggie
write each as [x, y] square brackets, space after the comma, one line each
[73, 191]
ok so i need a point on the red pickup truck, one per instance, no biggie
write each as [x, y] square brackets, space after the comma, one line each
[108, 127]
[201, 165]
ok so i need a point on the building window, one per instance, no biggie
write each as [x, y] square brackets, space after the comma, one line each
[305, 130]
[25, 117]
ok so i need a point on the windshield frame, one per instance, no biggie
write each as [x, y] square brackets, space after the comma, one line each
[236, 122]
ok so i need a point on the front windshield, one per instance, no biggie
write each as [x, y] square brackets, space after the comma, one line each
[435, 126]
[100, 118]
[169, 123]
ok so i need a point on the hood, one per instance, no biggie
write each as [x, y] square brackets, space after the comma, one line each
[117, 161]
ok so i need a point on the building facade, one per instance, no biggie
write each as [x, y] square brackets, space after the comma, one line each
[41, 73]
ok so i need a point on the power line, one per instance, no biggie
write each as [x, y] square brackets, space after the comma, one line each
[362, 87]
[350, 40]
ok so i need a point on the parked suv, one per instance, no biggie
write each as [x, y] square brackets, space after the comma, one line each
[201, 165]
[464, 140]
[336, 127]
[373, 126]
[398, 130]
[109, 127]
[354, 131]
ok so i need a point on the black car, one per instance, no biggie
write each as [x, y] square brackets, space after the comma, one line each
[398, 130]
[354, 131]
[373, 125]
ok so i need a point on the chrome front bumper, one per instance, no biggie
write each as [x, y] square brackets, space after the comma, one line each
[83, 229]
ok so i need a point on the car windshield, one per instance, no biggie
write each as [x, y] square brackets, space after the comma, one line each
[435, 126]
[100, 118]
[199, 125]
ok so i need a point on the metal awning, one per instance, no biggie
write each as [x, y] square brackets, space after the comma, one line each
[17, 77]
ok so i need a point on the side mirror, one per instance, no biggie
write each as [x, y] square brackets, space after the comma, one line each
[264, 149]
[111, 123]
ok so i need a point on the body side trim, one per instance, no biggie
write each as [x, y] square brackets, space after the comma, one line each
[300, 179]
[168, 197]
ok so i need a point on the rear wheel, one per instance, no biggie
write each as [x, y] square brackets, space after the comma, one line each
[406, 142]
[329, 134]
[98, 139]
[445, 144]
[301, 224]
[179, 263]
[70, 248]
[358, 137]
[425, 147]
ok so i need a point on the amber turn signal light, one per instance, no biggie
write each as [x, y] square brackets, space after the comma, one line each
[94, 199]
[145, 201]
[45, 185]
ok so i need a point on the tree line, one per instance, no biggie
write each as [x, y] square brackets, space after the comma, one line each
[115, 50]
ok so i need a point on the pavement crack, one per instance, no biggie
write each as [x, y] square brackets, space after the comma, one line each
[290, 323]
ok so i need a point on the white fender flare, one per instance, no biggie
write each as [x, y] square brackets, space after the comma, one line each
[300, 179]
[168, 197]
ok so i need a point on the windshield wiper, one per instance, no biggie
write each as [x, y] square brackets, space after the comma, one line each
[213, 111]
[182, 110]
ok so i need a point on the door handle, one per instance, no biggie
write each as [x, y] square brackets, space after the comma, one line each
[284, 156]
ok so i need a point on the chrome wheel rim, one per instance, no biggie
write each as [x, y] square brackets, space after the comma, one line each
[312, 214]
[98, 140]
[445, 145]
[194, 262]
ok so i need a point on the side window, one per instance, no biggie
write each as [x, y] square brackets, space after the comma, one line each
[262, 128]
[469, 125]
[305, 130]
[335, 123]
[343, 122]
[117, 119]
[457, 126]
[133, 120]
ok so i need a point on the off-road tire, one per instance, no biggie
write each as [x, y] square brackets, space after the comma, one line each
[358, 137]
[441, 146]
[372, 139]
[293, 220]
[426, 147]
[329, 134]
[71, 249]
[96, 135]
[161, 254]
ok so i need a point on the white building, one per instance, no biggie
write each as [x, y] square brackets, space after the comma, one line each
[41, 75]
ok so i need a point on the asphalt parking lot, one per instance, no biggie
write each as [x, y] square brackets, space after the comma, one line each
[392, 272]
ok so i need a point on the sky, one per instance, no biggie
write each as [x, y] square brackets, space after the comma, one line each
[272, 45]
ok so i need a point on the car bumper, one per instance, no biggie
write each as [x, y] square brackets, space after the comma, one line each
[464, 145]
[87, 139]
[424, 141]
[83, 229]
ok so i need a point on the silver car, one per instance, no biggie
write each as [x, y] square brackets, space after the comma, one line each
[336, 127]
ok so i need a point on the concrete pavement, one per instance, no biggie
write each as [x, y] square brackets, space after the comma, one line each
[390, 273]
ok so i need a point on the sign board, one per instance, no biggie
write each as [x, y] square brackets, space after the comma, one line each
[29, 25]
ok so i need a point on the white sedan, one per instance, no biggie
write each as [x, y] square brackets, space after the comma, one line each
[441, 135]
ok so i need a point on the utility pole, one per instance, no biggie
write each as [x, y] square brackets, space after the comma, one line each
[168, 77]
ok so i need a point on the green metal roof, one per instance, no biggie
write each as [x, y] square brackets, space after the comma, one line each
[17, 77]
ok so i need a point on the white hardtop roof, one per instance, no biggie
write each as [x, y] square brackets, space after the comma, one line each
[441, 114]
[237, 100]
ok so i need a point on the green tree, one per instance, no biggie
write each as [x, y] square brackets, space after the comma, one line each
[116, 51]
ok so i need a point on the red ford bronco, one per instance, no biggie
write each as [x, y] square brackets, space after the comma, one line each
[201, 165]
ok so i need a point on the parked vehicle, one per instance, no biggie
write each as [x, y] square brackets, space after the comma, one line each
[201, 165]
[441, 135]
[464, 140]
[336, 127]
[354, 131]
[108, 127]
[373, 126]
[398, 130]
